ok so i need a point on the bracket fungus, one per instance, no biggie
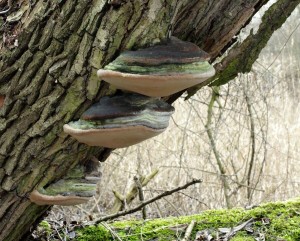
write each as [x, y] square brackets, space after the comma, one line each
[44, 197]
[160, 70]
[121, 121]
[77, 188]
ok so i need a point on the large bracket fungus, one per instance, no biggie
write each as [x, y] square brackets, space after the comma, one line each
[76, 188]
[121, 121]
[160, 70]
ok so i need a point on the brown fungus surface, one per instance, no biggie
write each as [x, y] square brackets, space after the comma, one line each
[121, 121]
[160, 70]
[174, 51]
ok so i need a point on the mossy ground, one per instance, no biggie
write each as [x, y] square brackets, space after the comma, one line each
[274, 221]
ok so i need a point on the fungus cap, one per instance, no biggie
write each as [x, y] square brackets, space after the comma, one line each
[160, 70]
[121, 121]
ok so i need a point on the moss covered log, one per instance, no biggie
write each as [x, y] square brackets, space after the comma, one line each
[273, 221]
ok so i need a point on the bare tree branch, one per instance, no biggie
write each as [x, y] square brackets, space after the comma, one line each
[141, 195]
[215, 92]
[242, 56]
[252, 138]
[145, 203]
[121, 201]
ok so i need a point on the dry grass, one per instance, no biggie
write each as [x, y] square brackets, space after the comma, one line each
[266, 171]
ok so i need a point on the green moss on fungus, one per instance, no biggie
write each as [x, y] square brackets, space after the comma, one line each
[163, 69]
[277, 221]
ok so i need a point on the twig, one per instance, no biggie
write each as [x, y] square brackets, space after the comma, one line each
[189, 230]
[141, 195]
[59, 236]
[121, 201]
[9, 4]
[220, 164]
[253, 144]
[143, 204]
[4, 11]
[173, 206]
[113, 233]
[157, 207]
[232, 231]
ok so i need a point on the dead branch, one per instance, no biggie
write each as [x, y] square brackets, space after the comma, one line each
[141, 195]
[145, 203]
[188, 231]
[221, 167]
[242, 56]
[113, 233]
[253, 144]
[121, 201]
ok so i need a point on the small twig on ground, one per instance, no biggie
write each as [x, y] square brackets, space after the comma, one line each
[230, 232]
[58, 234]
[189, 230]
[113, 233]
[143, 204]
[141, 195]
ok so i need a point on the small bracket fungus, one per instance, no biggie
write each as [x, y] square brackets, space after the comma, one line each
[160, 70]
[77, 188]
[121, 121]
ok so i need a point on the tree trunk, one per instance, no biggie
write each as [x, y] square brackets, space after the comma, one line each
[50, 52]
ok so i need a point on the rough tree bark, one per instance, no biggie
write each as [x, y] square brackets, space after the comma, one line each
[49, 54]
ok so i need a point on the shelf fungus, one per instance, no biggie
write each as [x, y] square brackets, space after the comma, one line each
[121, 121]
[160, 70]
[77, 188]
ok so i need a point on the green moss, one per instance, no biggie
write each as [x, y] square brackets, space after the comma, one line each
[279, 220]
[50, 136]
[229, 73]
[93, 233]
[75, 97]
[242, 236]
[93, 85]
[44, 227]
